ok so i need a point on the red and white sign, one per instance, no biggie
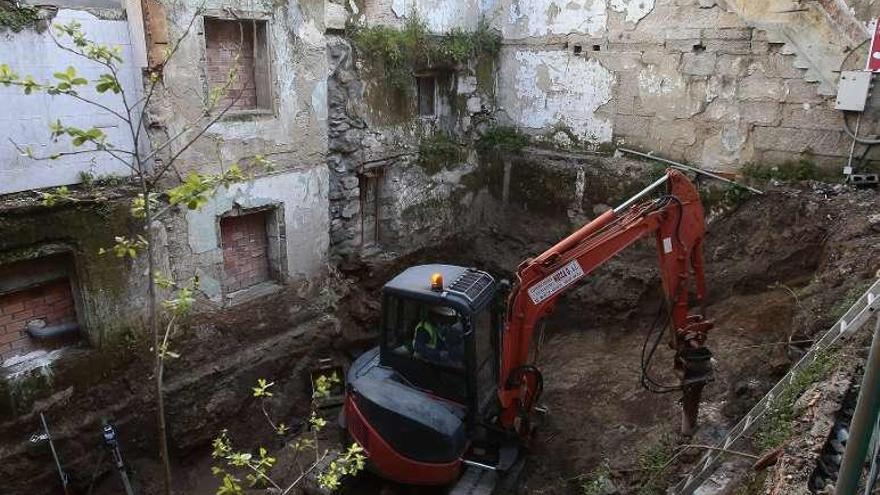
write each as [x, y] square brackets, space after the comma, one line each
[874, 54]
[558, 280]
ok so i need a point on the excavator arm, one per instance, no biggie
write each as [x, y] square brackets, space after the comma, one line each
[676, 219]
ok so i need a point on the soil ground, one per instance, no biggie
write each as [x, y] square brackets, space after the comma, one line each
[779, 267]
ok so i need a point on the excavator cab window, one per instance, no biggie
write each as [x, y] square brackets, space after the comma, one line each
[426, 343]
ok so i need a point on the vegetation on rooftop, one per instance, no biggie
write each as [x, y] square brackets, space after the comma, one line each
[17, 18]
[396, 54]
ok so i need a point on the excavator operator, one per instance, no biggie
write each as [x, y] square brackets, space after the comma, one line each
[438, 337]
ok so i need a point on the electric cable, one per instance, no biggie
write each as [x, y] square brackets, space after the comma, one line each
[850, 133]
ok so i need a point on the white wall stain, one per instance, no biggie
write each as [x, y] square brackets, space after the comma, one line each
[554, 87]
[656, 83]
[546, 17]
[440, 15]
[635, 10]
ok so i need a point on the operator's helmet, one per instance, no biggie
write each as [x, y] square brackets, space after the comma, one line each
[443, 314]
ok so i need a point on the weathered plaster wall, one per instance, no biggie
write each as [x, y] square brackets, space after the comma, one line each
[301, 201]
[686, 78]
[547, 88]
[25, 119]
[292, 134]
[111, 294]
[440, 16]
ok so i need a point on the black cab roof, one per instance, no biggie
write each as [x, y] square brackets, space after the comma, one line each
[467, 289]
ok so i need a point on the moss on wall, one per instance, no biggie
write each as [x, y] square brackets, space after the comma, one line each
[107, 284]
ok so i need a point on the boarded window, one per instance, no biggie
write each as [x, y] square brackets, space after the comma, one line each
[236, 54]
[245, 250]
[427, 89]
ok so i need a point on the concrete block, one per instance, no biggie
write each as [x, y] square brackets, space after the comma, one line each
[801, 91]
[794, 140]
[698, 64]
[807, 116]
[675, 133]
[731, 65]
[721, 110]
[659, 56]
[761, 113]
[759, 88]
[727, 34]
[682, 33]
[625, 105]
[626, 84]
[619, 61]
[684, 46]
[776, 65]
[630, 125]
[741, 47]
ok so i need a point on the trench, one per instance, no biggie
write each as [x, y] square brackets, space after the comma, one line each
[598, 414]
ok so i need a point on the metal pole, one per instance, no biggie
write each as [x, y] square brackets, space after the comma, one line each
[61, 473]
[644, 192]
[690, 169]
[875, 451]
[863, 422]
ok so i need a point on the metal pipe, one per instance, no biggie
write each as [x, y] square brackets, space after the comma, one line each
[691, 169]
[478, 465]
[875, 451]
[61, 473]
[863, 422]
[644, 192]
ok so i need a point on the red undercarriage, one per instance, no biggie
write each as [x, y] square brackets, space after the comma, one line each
[388, 462]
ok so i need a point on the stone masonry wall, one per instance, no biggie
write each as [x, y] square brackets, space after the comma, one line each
[381, 196]
[283, 121]
[685, 78]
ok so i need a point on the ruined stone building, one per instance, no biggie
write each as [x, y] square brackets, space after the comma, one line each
[364, 164]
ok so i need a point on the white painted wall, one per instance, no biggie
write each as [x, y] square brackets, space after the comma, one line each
[439, 15]
[24, 119]
[545, 88]
[527, 18]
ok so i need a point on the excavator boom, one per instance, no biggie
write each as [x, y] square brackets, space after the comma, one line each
[676, 219]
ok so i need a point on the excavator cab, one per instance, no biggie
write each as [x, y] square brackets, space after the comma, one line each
[414, 401]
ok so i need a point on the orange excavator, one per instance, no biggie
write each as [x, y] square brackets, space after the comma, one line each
[450, 389]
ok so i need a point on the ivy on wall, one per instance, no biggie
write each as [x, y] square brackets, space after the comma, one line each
[17, 18]
[395, 54]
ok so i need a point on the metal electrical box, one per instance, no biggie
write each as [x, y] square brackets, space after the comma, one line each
[852, 90]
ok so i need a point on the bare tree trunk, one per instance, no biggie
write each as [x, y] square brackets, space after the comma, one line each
[153, 323]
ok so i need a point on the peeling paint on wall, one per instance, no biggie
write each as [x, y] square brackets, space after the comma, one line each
[635, 10]
[302, 195]
[440, 15]
[554, 87]
[545, 17]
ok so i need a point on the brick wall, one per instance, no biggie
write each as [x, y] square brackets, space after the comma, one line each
[224, 40]
[52, 302]
[245, 250]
